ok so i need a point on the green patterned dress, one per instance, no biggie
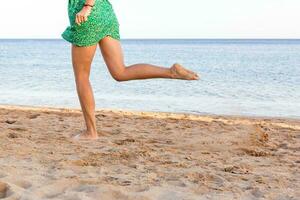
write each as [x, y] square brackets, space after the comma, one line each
[101, 22]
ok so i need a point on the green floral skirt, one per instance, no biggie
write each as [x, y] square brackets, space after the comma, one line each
[101, 22]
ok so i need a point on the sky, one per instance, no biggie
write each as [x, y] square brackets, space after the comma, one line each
[162, 18]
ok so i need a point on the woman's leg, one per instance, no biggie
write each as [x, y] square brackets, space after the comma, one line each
[82, 58]
[113, 57]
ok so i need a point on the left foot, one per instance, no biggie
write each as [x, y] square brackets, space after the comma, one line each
[179, 72]
[86, 135]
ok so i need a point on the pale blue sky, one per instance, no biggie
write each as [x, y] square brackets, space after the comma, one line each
[162, 18]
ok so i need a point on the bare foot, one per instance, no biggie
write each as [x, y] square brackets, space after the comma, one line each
[179, 72]
[85, 135]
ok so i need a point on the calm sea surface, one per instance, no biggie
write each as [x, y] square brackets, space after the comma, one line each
[240, 77]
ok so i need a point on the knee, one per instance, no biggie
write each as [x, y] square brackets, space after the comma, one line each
[119, 76]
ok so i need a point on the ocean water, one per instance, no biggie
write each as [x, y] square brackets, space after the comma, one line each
[238, 77]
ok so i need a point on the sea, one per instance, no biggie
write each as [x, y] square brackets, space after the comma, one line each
[249, 77]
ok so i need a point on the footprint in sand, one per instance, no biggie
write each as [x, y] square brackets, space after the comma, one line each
[3, 190]
[255, 152]
[100, 116]
[23, 184]
[125, 183]
[13, 135]
[123, 142]
[33, 116]
[195, 177]
[116, 131]
[176, 182]
[237, 169]
[141, 188]
[10, 121]
[2, 175]
[257, 193]
[54, 189]
[18, 129]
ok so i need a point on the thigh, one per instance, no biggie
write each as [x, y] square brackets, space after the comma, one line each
[82, 58]
[112, 54]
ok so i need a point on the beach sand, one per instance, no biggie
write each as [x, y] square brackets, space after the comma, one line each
[147, 156]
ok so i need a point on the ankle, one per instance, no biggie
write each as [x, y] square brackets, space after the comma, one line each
[91, 132]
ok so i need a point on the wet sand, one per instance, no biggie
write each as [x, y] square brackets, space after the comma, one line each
[147, 156]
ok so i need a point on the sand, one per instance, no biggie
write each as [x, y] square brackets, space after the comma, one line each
[146, 156]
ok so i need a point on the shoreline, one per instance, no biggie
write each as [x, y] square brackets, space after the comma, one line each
[144, 112]
[146, 156]
[161, 114]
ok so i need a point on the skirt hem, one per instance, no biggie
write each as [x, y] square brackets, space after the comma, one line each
[91, 43]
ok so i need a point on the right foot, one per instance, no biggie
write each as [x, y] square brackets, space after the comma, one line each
[179, 72]
[85, 135]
